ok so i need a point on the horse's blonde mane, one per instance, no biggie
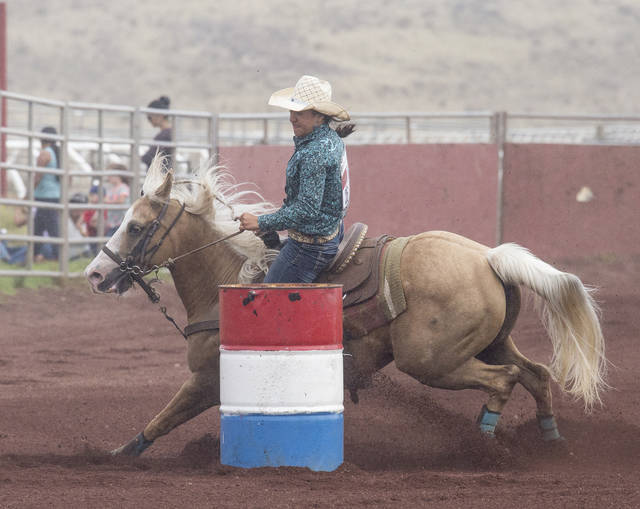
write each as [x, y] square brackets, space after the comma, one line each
[214, 194]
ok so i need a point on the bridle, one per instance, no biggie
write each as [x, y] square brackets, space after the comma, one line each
[135, 267]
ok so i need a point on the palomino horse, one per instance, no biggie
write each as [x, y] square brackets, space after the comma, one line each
[462, 303]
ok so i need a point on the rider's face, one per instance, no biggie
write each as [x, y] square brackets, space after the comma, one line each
[303, 122]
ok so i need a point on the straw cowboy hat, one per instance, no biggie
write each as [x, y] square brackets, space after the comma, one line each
[310, 93]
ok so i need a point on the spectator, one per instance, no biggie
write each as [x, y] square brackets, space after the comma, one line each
[47, 190]
[89, 216]
[74, 226]
[161, 122]
[117, 192]
[13, 255]
[89, 223]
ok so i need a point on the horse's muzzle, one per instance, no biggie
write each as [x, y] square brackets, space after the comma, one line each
[117, 281]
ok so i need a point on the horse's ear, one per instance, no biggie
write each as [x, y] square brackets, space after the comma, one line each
[164, 190]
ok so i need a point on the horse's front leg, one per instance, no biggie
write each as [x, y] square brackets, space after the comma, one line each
[200, 392]
[363, 357]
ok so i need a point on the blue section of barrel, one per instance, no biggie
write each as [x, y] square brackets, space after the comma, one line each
[315, 441]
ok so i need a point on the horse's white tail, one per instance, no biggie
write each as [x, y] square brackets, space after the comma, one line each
[569, 314]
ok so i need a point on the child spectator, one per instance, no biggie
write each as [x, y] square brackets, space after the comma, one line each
[117, 192]
[89, 216]
[74, 227]
[89, 221]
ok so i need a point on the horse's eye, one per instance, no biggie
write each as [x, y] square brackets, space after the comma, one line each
[134, 229]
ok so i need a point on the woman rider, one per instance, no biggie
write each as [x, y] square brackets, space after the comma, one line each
[316, 184]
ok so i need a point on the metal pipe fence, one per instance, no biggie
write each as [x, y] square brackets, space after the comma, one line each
[90, 137]
[94, 136]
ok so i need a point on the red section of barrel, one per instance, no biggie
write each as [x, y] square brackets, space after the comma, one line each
[301, 317]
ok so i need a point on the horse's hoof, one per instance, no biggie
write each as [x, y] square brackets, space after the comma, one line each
[134, 447]
[558, 447]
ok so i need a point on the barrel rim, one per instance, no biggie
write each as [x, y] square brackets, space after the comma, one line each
[280, 286]
[285, 350]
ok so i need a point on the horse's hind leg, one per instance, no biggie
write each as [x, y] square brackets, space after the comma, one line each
[535, 378]
[497, 381]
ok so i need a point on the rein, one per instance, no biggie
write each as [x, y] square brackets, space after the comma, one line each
[134, 266]
[171, 261]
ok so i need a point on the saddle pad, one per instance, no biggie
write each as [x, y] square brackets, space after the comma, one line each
[389, 302]
[391, 293]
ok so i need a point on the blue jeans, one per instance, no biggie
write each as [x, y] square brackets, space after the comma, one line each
[46, 220]
[299, 262]
[12, 255]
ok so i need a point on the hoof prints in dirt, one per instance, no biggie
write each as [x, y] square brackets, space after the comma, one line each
[592, 441]
[398, 429]
[200, 454]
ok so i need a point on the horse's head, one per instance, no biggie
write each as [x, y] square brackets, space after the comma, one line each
[172, 220]
[141, 242]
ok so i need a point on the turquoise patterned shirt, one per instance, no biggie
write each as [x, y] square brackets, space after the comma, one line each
[313, 202]
[49, 186]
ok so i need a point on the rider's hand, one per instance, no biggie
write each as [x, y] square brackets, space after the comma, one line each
[249, 222]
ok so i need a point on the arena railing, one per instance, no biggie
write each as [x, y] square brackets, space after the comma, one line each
[372, 128]
[572, 129]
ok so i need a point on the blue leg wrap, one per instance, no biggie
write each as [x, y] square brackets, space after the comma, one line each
[134, 447]
[549, 428]
[488, 420]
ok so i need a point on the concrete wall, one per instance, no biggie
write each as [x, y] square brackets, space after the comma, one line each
[404, 189]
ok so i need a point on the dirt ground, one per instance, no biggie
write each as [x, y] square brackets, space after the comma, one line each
[82, 374]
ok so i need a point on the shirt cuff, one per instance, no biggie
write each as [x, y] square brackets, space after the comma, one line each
[263, 222]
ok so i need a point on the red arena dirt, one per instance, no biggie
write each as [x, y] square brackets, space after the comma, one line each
[82, 374]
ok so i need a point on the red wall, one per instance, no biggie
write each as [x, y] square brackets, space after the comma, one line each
[397, 189]
[540, 207]
[405, 189]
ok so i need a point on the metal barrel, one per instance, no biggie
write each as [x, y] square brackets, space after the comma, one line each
[281, 380]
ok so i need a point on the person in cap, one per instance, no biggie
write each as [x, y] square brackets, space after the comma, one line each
[161, 122]
[317, 184]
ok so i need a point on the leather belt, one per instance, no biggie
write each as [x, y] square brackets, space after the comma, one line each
[312, 239]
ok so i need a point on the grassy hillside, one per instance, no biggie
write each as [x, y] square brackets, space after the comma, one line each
[428, 55]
